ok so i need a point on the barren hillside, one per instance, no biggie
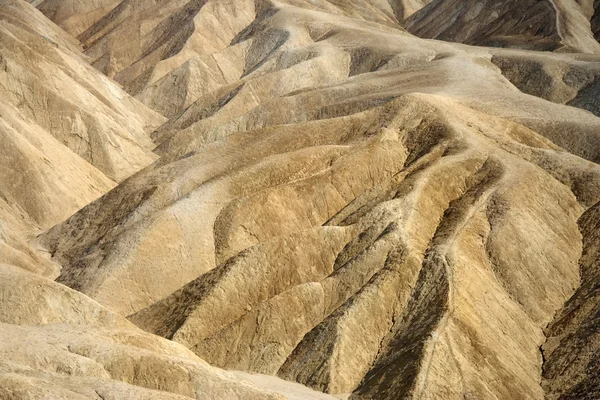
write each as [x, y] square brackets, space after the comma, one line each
[299, 199]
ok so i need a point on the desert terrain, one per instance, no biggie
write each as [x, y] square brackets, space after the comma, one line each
[300, 199]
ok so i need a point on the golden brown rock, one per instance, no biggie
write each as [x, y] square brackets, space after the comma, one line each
[334, 200]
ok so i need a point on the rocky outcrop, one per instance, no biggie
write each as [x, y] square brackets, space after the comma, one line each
[572, 350]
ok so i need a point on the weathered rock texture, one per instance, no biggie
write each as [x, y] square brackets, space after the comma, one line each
[572, 352]
[77, 349]
[318, 194]
[542, 25]
[67, 133]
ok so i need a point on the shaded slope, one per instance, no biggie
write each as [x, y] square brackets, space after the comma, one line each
[405, 8]
[167, 43]
[75, 16]
[566, 80]
[595, 20]
[540, 25]
[572, 351]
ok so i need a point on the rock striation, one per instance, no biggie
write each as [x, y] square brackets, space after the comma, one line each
[68, 134]
[572, 351]
[562, 25]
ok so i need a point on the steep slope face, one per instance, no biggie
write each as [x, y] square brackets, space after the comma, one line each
[596, 20]
[167, 43]
[565, 80]
[67, 134]
[405, 8]
[572, 352]
[539, 25]
[53, 87]
[75, 16]
[42, 183]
